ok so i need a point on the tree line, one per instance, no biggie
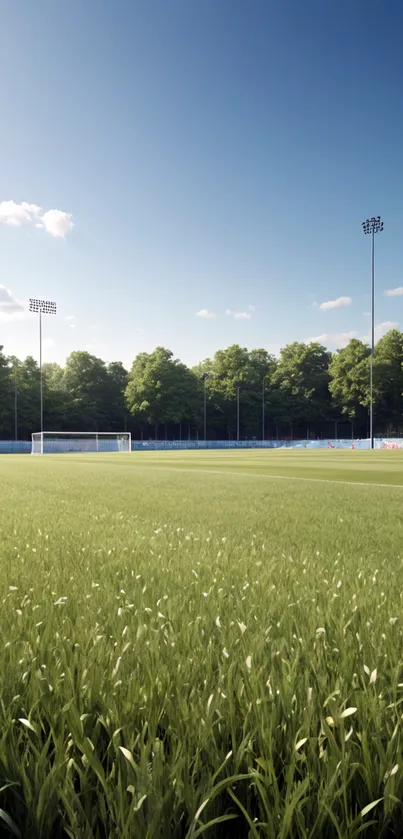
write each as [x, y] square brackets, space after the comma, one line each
[306, 391]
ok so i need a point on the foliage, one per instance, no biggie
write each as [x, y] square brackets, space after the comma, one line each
[161, 389]
[349, 379]
[304, 391]
[302, 381]
[6, 401]
[229, 369]
[87, 383]
[389, 375]
[179, 649]
[28, 387]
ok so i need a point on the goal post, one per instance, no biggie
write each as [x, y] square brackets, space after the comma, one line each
[84, 442]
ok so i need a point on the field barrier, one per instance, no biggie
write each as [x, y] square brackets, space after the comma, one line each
[24, 447]
[176, 445]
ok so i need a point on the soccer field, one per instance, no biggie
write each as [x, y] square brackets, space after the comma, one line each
[202, 643]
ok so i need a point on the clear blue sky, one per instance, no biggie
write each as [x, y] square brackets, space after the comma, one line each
[214, 155]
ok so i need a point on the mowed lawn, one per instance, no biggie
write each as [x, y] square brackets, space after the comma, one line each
[201, 643]
[331, 464]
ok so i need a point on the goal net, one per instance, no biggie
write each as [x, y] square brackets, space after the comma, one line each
[63, 442]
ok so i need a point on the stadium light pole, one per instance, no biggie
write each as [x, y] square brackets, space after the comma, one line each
[238, 388]
[205, 377]
[263, 409]
[15, 403]
[372, 225]
[46, 307]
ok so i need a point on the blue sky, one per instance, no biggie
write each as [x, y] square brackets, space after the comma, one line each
[205, 156]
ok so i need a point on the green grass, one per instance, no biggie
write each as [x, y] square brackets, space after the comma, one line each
[181, 634]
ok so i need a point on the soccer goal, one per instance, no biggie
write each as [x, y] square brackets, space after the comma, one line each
[64, 442]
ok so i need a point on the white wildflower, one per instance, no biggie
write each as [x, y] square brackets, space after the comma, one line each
[27, 724]
[348, 713]
[128, 755]
[300, 743]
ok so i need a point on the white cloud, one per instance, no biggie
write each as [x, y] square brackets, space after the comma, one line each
[382, 328]
[394, 292]
[56, 222]
[11, 309]
[335, 304]
[72, 325]
[338, 339]
[204, 313]
[318, 339]
[16, 214]
[8, 303]
[341, 339]
[241, 315]
[70, 317]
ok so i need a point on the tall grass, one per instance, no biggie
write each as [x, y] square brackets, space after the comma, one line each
[187, 655]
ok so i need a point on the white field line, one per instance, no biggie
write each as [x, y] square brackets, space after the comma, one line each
[276, 477]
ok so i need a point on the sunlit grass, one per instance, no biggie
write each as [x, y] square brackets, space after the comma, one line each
[190, 647]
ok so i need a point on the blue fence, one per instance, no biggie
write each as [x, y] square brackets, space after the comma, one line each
[15, 447]
[176, 445]
[23, 447]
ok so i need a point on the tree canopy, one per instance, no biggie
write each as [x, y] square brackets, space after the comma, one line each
[305, 391]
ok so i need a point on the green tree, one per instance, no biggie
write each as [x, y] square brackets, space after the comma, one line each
[302, 389]
[388, 380]
[53, 376]
[6, 396]
[161, 390]
[116, 387]
[87, 385]
[229, 369]
[301, 382]
[349, 383]
[28, 392]
[56, 414]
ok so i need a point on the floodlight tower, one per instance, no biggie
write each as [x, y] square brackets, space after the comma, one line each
[238, 389]
[46, 307]
[205, 377]
[372, 225]
[263, 408]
